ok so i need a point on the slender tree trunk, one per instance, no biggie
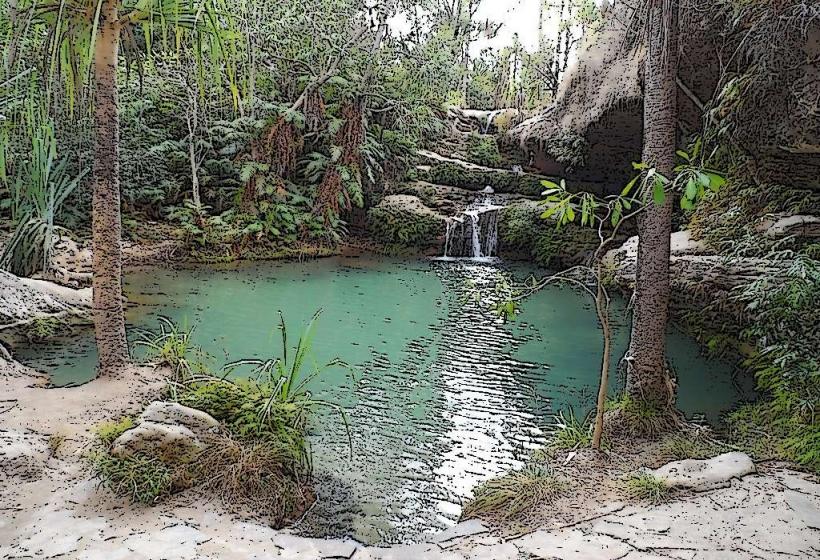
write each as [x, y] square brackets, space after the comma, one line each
[109, 317]
[602, 308]
[647, 377]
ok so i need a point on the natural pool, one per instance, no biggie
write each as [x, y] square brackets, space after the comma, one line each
[443, 397]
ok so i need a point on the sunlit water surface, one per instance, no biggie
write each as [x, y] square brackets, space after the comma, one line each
[443, 396]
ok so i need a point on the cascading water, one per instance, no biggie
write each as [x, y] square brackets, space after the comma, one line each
[474, 232]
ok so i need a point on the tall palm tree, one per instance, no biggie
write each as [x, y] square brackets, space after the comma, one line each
[647, 376]
[85, 38]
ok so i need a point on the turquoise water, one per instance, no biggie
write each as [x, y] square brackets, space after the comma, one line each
[441, 395]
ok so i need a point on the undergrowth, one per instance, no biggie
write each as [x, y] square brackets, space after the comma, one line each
[259, 458]
[647, 487]
[514, 496]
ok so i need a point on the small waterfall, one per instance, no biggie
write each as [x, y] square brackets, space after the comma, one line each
[474, 232]
[490, 117]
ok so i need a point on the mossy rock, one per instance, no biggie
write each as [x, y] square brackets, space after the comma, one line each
[476, 179]
[404, 220]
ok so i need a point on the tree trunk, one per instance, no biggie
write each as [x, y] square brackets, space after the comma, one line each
[109, 317]
[602, 308]
[647, 377]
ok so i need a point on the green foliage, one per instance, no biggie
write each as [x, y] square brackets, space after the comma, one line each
[261, 458]
[638, 418]
[786, 366]
[272, 405]
[483, 150]
[172, 347]
[514, 496]
[42, 328]
[37, 197]
[568, 148]
[110, 430]
[647, 487]
[571, 433]
[396, 226]
[143, 479]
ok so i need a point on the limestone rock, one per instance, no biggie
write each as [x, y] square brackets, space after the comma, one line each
[572, 544]
[462, 530]
[707, 474]
[799, 225]
[21, 456]
[175, 414]
[167, 442]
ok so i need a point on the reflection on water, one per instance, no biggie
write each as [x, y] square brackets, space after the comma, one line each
[443, 397]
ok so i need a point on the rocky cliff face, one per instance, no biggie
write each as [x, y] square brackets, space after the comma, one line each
[749, 81]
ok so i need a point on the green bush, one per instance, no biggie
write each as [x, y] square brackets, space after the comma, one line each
[393, 226]
[43, 328]
[483, 150]
[260, 457]
[521, 229]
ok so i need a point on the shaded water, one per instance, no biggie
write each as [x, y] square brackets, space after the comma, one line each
[444, 396]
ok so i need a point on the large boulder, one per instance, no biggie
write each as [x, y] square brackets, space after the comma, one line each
[171, 444]
[706, 474]
[175, 414]
[168, 431]
[762, 107]
[23, 299]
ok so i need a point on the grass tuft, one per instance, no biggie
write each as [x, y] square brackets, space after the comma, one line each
[645, 486]
[570, 432]
[627, 417]
[515, 495]
[265, 476]
[142, 479]
[691, 446]
[110, 430]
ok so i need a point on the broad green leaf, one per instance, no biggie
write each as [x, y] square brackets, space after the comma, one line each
[691, 190]
[658, 192]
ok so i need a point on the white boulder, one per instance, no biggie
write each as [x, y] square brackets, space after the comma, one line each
[168, 443]
[175, 414]
[706, 474]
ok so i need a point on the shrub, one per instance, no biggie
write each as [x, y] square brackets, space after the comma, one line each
[520, 228]
[483, 150]
[515, 495]
[142, 479]
[261, 459]
[43, 327]
[109, 431]
[393, 226]
[645, 486]
[264, 475]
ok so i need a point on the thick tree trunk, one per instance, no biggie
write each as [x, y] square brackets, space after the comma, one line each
[647, 377]
[109, 317]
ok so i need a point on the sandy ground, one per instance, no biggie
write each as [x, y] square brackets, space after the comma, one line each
[50, 508]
